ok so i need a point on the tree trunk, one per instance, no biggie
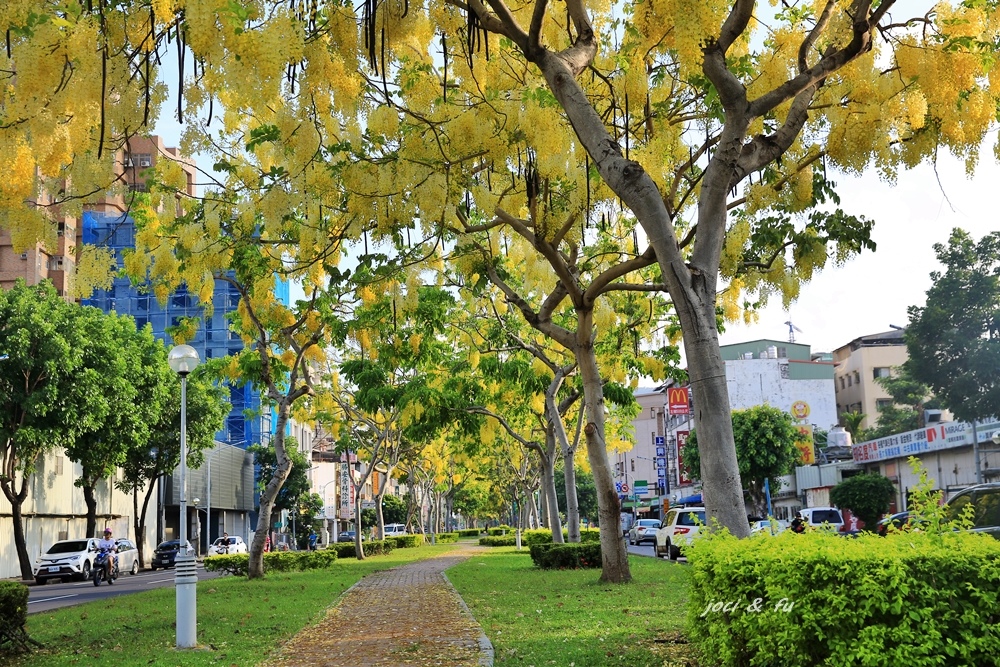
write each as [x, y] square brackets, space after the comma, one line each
[572, 503]
[379, 520]
[19, 542]
[693, 292]
[550, 501]
[359, 549]
[282, 468]
[543, 504]
[614, 556]
[91, 501]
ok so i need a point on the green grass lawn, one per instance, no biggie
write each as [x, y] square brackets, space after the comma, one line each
[239, 621]
[565, 617]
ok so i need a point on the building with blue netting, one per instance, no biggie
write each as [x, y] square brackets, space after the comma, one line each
[246, 424]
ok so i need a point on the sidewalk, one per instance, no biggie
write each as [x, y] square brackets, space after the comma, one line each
[410, 615]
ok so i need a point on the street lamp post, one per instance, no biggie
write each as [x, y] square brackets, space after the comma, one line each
[183, 359]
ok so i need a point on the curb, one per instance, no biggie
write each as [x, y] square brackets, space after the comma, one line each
[485, 645]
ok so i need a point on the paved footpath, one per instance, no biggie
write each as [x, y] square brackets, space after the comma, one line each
[409, 615]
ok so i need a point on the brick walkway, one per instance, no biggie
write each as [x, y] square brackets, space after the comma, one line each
[410, 615]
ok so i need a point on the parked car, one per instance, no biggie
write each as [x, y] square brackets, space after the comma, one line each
[679, 527]
[985, 500]
[394, 529]
[767, 527]
[233, 544]
[644, 530]
[65, 560]
[166, 554]
[348, 536]
[128, 556]
[824, 518]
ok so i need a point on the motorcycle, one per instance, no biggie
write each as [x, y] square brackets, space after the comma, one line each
[100, 569]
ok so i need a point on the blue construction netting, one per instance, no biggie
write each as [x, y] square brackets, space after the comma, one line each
[245, 424]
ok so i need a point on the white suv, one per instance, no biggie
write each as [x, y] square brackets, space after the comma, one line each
[394, 529]
[66, 559]
[825, 518]
[679, 528]
[236, 545]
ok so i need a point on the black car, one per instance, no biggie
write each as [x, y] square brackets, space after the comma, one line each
[166, 554]
[348, 536]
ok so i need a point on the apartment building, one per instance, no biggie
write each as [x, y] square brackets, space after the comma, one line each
[859, 364]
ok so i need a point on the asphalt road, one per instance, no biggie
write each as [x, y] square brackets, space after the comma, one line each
[646, 549]
[54, 594]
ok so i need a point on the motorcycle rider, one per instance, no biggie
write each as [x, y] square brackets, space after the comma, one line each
[108, 544]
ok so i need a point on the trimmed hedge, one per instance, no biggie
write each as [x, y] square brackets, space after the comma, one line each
[500, 530]
[544, 536]
[13, 616]
[446, 537]
[572, 555]
[372, 548]
[470, 532]
[404, 541]
[498, 541]
[916, 599]
[274, 561]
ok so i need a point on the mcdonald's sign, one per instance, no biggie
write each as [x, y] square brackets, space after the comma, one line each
[677, 401]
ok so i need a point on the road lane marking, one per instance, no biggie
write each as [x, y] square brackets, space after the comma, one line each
[55, 598]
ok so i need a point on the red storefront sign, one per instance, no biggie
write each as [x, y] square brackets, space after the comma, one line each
[677, 401]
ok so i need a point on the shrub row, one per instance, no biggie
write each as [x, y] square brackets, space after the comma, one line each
[498, 541]
[274, 561]
[500, 530]
[446, 537]
[372, 548]
[13, 615]
[470, 532]
[544, 536]
[915, 599]
[572, 555]
[405, 541]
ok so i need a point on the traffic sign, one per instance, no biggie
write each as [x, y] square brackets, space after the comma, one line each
[658, 440]
[625, 488]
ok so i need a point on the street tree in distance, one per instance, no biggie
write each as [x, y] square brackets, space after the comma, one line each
[43, 346]
[160, 454]
[120, 388]
[765, 449]
[953, 341]
[867, 496]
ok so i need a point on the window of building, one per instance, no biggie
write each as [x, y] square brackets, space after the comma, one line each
[137, 187]
[782, 353]
[882, 403]
[849, 382]
[843, 384]
[857, 377]
[143, 159]
[881, 372]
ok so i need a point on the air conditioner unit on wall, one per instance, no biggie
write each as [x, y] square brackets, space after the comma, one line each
[129, 163]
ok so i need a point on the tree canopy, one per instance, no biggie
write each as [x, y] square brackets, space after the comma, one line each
[678, 147]
[953, 340]
[867, 496]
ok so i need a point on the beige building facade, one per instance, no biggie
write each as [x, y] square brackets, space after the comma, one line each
[55, 510]
[857, 367]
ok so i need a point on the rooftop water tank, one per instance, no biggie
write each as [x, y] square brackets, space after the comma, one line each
[772, 352]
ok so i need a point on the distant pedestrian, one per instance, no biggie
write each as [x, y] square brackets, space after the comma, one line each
[798, 524]
[312, 541]
[267, 543]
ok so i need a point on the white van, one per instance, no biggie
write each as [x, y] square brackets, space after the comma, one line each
[394, 529]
